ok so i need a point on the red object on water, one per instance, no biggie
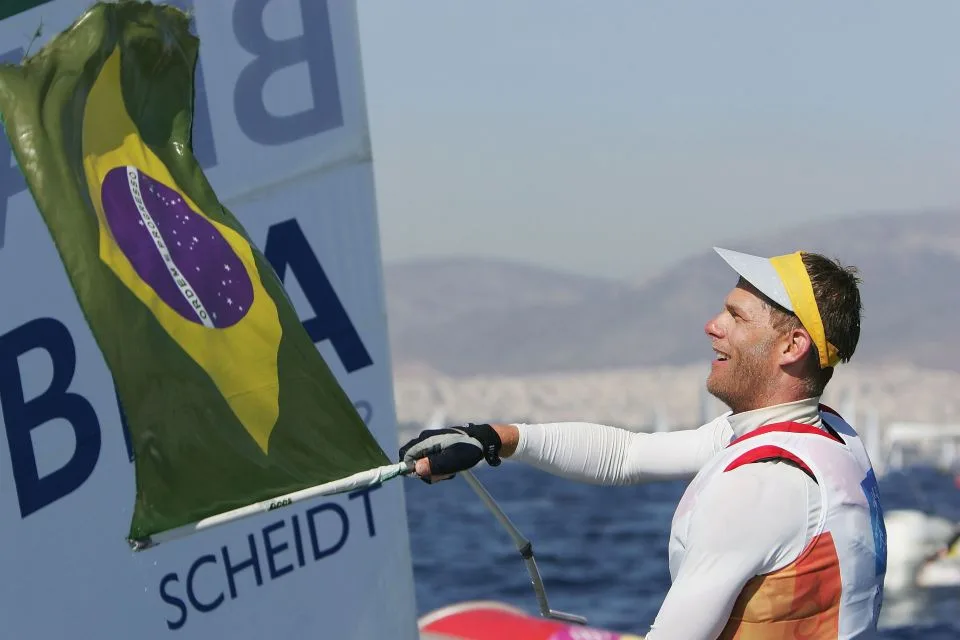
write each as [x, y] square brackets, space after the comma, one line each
[497, 621]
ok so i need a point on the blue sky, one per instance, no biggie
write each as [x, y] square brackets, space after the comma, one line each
[614, 137]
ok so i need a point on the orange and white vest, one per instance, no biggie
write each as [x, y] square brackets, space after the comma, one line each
[834, 588]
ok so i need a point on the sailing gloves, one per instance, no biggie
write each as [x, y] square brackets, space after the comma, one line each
[454, 449]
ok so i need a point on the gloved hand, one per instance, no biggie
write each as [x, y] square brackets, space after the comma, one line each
[454, 449]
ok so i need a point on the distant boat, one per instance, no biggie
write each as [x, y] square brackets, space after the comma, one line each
[922, 550]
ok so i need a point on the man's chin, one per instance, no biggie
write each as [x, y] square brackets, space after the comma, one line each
[717, 391]
[713, 385]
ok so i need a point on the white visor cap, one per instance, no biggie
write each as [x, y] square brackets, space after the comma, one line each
[760, 273]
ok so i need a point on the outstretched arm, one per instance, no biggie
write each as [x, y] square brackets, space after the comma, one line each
[593, 453]
[601, 454]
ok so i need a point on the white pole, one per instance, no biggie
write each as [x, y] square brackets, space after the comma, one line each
[368, 478]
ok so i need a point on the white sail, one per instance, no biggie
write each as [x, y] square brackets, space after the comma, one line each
[281, 130]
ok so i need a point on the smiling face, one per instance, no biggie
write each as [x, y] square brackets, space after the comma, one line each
[749, 348]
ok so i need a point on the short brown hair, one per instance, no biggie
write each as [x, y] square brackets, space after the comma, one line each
[836, 290]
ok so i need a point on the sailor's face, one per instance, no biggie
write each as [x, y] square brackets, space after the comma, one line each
[743, 341]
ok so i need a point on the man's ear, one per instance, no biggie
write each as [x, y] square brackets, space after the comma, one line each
[796, 345]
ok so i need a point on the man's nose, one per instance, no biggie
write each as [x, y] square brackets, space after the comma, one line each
[712, 328]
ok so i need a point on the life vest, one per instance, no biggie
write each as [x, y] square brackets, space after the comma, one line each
[834, 588]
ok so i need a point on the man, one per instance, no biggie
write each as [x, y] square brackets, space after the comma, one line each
[780, 533]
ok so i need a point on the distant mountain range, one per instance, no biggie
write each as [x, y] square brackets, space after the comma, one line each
[481, 317]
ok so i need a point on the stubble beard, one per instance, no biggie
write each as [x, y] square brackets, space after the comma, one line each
[741, 383]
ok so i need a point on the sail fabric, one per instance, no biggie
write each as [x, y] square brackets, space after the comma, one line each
[226, 399]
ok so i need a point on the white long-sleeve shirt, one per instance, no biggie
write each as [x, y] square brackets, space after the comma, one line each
[749, 521]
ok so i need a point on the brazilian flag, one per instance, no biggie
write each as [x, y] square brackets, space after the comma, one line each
[227, 400]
